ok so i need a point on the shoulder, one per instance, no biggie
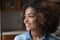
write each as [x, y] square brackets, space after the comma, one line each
[21, 36]
[51, 37]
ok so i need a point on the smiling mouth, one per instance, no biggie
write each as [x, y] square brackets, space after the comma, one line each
[27, 24]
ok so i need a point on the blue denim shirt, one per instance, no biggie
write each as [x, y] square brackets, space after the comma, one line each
[27, 36]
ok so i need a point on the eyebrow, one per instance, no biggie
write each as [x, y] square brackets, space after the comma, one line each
[30, 14]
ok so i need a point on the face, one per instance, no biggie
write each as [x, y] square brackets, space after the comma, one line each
[30, 19]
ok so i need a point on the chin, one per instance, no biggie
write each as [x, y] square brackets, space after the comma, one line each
[28, 29]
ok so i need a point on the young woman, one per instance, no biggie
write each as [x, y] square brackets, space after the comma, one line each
[39, 22]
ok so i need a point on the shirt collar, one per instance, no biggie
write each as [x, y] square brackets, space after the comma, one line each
[30, 38]
[44, 37]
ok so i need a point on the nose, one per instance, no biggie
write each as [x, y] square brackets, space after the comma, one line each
[26, 20]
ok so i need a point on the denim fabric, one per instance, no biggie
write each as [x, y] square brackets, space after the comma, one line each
[27, 36]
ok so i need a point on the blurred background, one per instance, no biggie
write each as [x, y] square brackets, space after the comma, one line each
[12, 17]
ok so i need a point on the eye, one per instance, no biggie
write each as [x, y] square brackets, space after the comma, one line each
[31, 16]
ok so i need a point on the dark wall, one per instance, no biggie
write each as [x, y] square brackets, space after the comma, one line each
[12, 21]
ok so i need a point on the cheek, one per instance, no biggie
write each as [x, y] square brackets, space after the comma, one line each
[33, 22]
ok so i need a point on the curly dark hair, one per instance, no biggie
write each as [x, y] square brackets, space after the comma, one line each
[52, 20]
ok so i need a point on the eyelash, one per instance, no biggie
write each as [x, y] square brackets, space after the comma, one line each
[29, 16]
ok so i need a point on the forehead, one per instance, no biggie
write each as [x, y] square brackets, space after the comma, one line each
[30, 10]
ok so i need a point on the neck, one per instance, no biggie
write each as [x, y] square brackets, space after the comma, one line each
[36, 33]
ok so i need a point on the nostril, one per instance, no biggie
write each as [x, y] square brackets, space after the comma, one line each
[25, 20]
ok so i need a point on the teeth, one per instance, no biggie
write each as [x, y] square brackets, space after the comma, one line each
[27, 24]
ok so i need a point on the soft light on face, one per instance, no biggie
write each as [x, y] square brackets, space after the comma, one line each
[30, 19]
